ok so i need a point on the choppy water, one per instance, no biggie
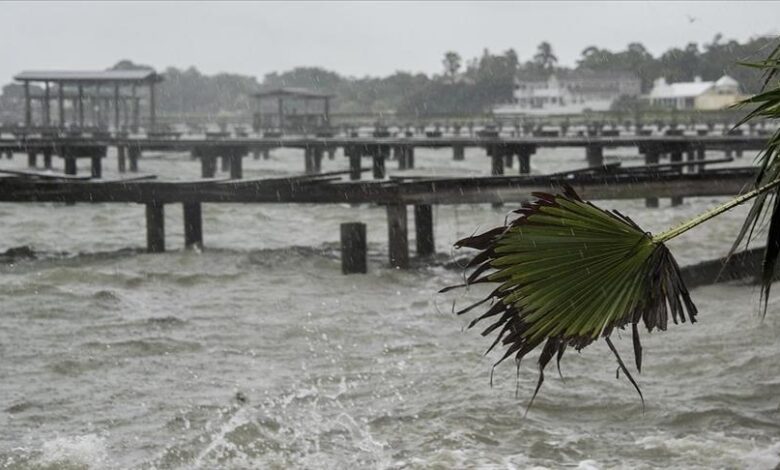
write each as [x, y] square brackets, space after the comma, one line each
[258, 353]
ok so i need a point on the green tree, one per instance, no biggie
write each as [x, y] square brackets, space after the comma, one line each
[544, 57]
[452, 62]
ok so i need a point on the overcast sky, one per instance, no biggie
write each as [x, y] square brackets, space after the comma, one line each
[348, 37]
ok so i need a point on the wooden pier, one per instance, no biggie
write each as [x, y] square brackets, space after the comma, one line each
[502, 152]
[395, 194]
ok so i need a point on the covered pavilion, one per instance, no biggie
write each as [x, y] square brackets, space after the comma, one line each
[81, 86]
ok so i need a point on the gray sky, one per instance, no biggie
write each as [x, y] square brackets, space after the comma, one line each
[348, 37]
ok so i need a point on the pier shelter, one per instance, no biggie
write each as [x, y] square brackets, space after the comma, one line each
[292, 110]
[101, 90]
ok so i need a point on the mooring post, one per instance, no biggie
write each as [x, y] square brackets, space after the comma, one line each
[331, 153]
[208, 164]
[97, 167]
[47, 158]
[32, 159]
[193, 225]
[353, 248]
[133, 154]
[409, 157]
[398, 236]
[458, 153]
[676, 157]
[155, 227]
[121, 160]
[651, 158]
[423, 225]
[594, 154]
[235, 158]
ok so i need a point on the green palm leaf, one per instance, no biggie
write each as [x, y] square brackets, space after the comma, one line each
[766, 105]
[569, 273]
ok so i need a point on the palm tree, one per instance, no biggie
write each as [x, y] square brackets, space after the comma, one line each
[569, 272]
[544, 57]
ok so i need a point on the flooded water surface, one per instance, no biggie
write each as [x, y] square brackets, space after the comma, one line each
[259, 353]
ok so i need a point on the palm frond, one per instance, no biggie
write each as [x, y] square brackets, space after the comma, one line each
[766, 205]
[569, 273]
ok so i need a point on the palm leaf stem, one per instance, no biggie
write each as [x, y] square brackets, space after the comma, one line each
[714, 212]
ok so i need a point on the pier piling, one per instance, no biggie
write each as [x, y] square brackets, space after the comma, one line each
[423, 225]
[353, 248]
[398, 236]
[193, 225]
[155, 227]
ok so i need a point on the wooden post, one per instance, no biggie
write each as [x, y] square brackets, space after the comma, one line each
[32, 159]
[458, 153]
[318, 153]
[224, 160]
[308, 160]
[524, 159]
[236, 157]
[97, 167]
[594, 154]
[423, 224]
[353, 248]
[398, 237]
[355, 169]
[208, 165]
[70, 165]
[410, 157]
[508, 158]
[193, 225]
[133, 154]
[497, 160]
[120, 159]
[155, 227]
[281, 114]
[400, 155]
[379, 162]
[47, 158]
[651, 158]
[27, 106]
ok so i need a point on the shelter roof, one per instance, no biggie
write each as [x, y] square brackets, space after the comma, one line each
[291, 92]
[89, 76]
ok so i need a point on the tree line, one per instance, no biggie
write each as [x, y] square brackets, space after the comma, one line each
[464, 87]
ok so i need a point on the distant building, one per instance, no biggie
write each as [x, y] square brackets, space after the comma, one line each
[570, 92]
[698, 94]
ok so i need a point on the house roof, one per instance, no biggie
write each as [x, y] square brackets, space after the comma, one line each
[89, 76]
[291, 92]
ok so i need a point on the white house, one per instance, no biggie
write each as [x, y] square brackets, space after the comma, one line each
[570, 92]
[698, 94]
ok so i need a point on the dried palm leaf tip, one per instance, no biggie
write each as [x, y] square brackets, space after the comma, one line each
[569, 273]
